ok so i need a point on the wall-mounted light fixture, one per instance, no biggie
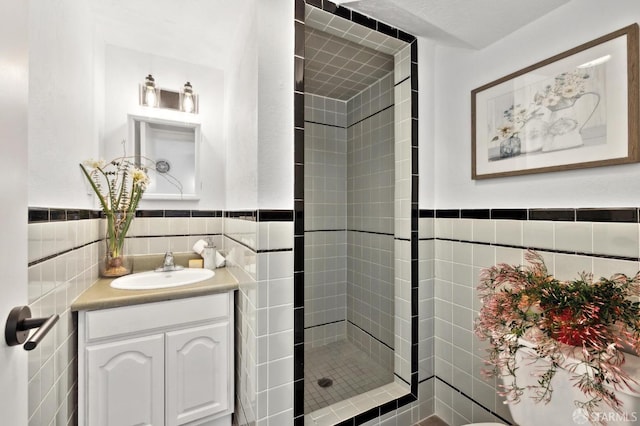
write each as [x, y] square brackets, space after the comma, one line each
[152, 96]
[188, 102]
[149, 95]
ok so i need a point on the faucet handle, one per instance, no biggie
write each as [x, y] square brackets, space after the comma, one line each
[168, 259]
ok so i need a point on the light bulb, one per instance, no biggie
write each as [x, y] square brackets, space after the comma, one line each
[150, 98]
[187, 98]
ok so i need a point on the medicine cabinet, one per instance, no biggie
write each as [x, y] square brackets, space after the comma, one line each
[170, 151]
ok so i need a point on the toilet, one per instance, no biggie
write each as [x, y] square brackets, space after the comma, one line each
[561, 410]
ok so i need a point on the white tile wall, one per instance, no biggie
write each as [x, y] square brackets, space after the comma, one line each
[374, 98]
[326, 217]
[402, 214]
[458, 355]
[53, 285]
[264, 319]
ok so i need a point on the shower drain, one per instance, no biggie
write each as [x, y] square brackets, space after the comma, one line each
[325, 382]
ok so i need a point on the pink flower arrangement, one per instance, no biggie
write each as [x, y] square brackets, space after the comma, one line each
[590, 320]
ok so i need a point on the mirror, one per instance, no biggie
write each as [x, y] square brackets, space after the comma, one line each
[170, 150]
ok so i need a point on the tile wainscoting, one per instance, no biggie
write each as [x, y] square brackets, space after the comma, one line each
[457, 244]
[65, 247]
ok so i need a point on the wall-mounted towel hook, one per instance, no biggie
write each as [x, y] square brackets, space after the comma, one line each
[20, 322]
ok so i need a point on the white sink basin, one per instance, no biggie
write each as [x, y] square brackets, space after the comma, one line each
[154, 280]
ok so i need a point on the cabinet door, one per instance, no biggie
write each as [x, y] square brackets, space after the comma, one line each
[126, 382]
[197, 373]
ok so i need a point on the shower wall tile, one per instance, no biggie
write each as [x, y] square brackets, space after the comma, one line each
[402, 158]
[325, 177]
[373, 99]
[402, 61]
[324, 334]
[370, 221]
[323, 110]
[370, 296]
[325, 277]
[325, 220]
[402, 299]
[370, 174]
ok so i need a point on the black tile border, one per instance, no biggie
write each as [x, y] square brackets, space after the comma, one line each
[553, 214]
[620, 215]
[44, 214]
[592, 214]
[47, 215]
[509, 214]
[178, 213]
[475, 214]
[275, 215]
[448, 214]
[427, 213]
[249, 215]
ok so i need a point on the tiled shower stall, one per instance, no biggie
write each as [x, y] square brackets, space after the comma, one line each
[349, 193]
[360, 286]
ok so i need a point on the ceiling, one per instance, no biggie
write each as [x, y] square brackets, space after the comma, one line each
[183, 30]
[187, 30]
[462, 23]
[338, 68]
[342, 58]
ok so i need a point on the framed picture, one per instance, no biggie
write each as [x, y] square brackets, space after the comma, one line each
[574, 110]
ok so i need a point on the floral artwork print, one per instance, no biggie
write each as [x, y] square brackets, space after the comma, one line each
[549, 117]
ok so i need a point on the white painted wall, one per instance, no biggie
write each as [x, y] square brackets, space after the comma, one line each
[458, 71]
[241, 126]
[77, 106]
[125, 69]
[426, 123]
[275, 104]
[61, 132]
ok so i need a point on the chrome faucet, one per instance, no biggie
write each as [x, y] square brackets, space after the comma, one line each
[168, 264]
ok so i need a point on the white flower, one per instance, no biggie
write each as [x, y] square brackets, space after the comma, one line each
[140, 178]
[551, 100]
[506, 130]
[570, 91]
[94, 164]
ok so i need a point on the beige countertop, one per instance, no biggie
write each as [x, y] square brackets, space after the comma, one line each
[101, 296]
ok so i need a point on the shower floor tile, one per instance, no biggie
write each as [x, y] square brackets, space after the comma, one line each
[350, 369]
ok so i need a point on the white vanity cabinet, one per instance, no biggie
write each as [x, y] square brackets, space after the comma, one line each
[162, 363]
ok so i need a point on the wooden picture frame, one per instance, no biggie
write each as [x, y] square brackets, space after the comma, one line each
[575, 110]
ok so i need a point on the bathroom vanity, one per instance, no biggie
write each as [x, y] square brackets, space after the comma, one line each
[156, 357]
